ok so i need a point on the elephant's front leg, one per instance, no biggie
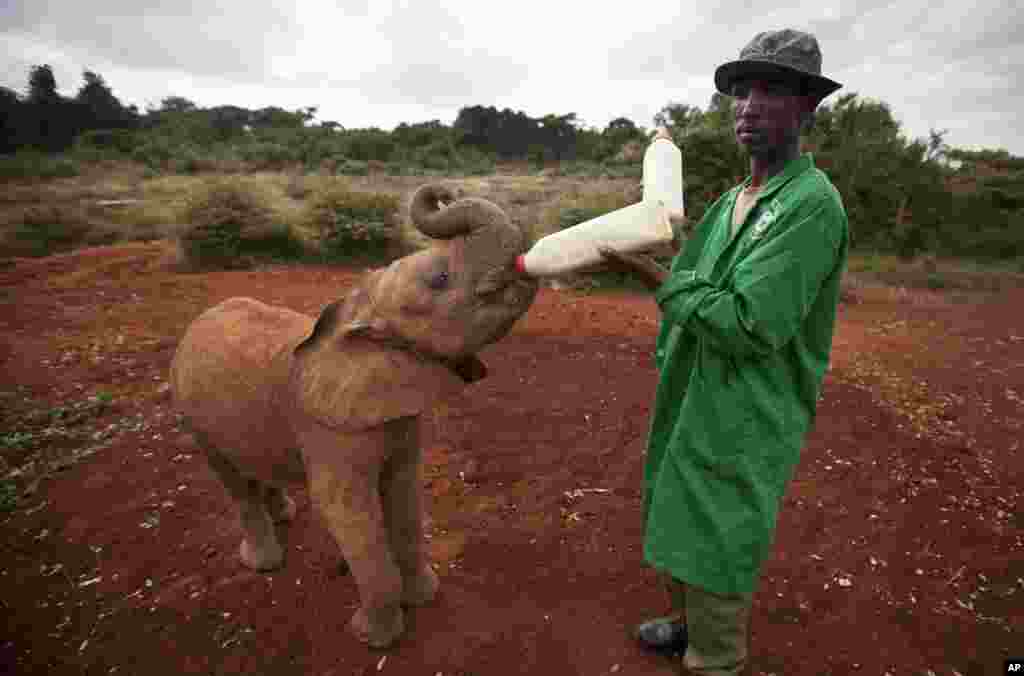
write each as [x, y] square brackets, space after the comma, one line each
[402, 493]
[343, 471]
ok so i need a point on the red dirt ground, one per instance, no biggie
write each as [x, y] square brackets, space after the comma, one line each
[900, 548]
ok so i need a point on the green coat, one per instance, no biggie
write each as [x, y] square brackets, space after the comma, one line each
[746, 332]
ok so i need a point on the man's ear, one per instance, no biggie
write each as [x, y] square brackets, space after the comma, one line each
[808, 104]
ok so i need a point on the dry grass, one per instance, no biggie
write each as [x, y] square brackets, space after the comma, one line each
[119, 202]
[927, 273]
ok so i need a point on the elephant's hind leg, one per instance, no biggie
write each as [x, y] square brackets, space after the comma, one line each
[260, 549]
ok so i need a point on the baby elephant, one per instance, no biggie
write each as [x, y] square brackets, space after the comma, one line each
[274, 398]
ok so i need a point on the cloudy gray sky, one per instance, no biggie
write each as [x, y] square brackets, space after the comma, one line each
[956, 66]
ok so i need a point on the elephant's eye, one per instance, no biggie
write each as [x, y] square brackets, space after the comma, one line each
[439, 280]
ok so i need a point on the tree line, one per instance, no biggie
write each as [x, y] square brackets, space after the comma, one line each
[902, 195]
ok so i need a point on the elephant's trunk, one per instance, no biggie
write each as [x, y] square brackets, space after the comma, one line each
[458, 218]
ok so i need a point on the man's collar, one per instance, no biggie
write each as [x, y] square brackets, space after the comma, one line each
[793, 168]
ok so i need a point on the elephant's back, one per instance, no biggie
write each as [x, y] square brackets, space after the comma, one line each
[229, 366]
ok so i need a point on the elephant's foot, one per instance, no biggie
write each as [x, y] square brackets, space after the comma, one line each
[280, 506]
[266, 557]
[378, 628]
[420, 588]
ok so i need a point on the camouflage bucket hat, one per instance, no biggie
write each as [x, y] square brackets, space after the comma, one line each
[773, 52]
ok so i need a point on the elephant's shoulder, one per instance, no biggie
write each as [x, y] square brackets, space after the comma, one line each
[365, 385]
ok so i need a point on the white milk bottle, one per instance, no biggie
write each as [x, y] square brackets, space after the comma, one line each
[634, 228]
[663, 175]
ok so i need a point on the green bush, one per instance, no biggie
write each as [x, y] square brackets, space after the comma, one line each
[936, 282]
[571, 216]
[591, 206]
[398, 168]
[29, 164]
[47, 229]
[121, 141]
[583, 168]
[188, 161]
[267, 155]
[353, 168]
[230, 224]
[352, 225]
[156, 152]
[633, 170]
[473, 162]
[8, 495]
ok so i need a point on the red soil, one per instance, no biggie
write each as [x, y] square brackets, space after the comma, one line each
[900, 547]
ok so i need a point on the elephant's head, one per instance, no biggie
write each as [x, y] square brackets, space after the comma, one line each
[462, 292]
[438, 306]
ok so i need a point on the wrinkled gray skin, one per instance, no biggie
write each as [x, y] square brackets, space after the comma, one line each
[275, 398]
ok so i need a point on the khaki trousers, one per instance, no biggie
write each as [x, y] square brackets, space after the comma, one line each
[718, 629]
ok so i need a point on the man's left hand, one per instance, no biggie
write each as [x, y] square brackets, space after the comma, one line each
[650, 274]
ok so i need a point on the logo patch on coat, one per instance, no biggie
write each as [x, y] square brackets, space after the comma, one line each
[765, 220]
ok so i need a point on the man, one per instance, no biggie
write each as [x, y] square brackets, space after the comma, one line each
[748, 311]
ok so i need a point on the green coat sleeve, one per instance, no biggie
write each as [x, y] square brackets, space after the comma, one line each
[685, 259]
[761, 305]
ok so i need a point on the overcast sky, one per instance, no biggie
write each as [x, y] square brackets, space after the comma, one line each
[955, 66]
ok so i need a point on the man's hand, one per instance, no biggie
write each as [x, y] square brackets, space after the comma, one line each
[650, 274]
[682, 230]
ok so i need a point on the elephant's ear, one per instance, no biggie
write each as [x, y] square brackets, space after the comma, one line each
[348, 383]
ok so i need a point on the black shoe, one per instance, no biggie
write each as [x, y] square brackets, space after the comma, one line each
[663, 635]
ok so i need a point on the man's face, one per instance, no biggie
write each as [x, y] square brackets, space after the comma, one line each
[768, 113]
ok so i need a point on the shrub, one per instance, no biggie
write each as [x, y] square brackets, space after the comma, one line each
[474, 162]
[46, 229]
[156, 152]
[8, 495]
[633, 170]
[399, 168]
[936, 282]
[229, 224]
[189, 161]
[481, 167]
[353, 168]
[267, 155]
[591, 206]
[352, 225]
[28, 164]
[571, 216]
[121, 141]
[582, 168]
